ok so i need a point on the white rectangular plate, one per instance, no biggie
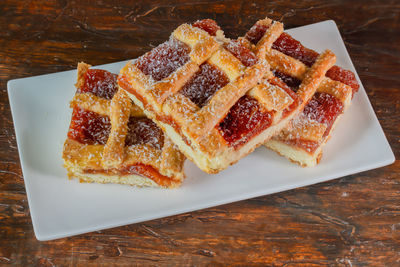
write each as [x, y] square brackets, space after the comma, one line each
[61, 207]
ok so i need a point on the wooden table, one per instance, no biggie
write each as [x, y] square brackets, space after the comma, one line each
[352, 221]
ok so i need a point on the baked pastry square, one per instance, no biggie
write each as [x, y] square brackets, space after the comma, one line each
[214, 97]
[111, 141]
[303, 139]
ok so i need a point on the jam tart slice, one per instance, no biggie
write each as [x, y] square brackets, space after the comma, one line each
[111, 141]
[303, 139]
[212, 96]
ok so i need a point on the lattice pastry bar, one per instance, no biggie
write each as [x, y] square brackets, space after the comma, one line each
[212, 96]
[303, 139]
[111, 141]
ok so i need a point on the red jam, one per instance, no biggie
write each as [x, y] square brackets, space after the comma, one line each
[323, 108]
[204, 84]
[290, 81]
[100, 83]
[138, 169]
[88, 127]
[207, 25]
[163, 60]
[293, 48]
[256, 32]
[144, 131]
[244, 120]
[147, 171]
[247, 57]
[344, 76]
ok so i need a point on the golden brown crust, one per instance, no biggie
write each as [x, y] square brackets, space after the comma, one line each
[217, 108]
[113, 154]
[271, 96]
[81, 71]
[273, 33]
[313, 80]
[193, 128]
[315, 75]
[101, 163]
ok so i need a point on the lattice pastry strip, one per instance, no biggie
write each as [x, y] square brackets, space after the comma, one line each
[303, 139]
[111, 140]
[225, 108]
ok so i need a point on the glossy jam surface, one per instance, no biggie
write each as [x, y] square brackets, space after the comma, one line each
[207, 25]
[244, 120]
[323, 108]
[163, 60]
[144, 131]
[100, 83]
[208, 80]
[137, 169]
[256, 32]
[290, 81]
[247, 57]
[89, 127]
[344, 76]
[291, 47]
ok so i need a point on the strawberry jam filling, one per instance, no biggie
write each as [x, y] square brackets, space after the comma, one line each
[137, 169]
[344, 76]
[100, 83]
[245, 55]
[204, 84]
[88, 127]
[290, 81]
[147, 171]
[293, 48]
[244, 120]
[323, 108]
[207, 25]
[256, 32]
[144, 131]
[163, 60]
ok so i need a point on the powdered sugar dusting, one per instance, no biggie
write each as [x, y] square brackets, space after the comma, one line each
[88, 127]
[100, 83]
[323, 108]
[204, 84]
[144, 131]
[245, 55]
[163, 60]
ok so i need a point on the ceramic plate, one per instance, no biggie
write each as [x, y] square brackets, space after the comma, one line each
[60, 207]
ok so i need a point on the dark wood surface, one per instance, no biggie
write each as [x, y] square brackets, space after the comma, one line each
[352, 221]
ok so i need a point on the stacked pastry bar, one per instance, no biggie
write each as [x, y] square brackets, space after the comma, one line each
[110, 140]
[214, 97]
[303, 139]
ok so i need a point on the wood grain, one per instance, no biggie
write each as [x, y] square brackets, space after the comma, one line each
[352, 221]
